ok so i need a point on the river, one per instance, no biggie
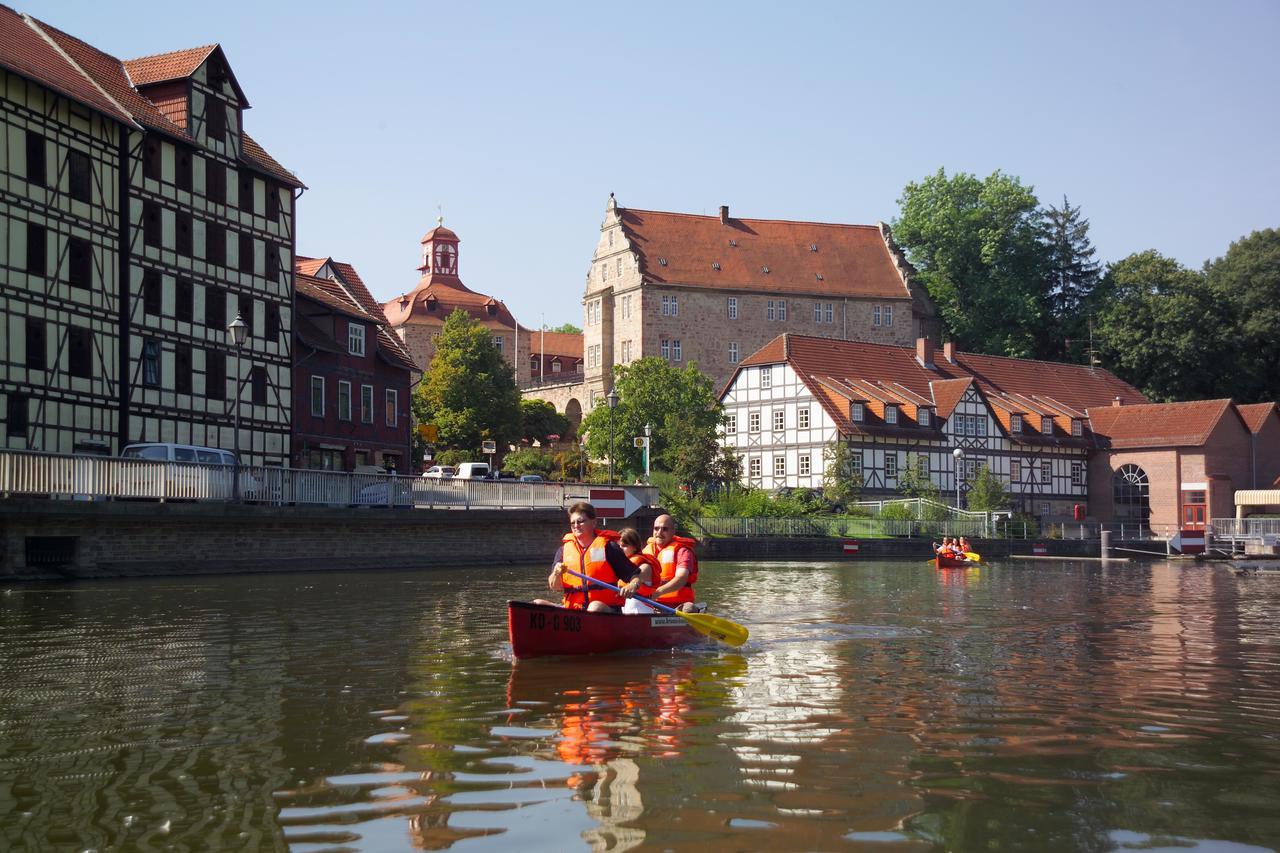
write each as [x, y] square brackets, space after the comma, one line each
[878, 705]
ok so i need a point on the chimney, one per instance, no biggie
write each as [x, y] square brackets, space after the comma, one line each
[724, 214]
[949, 352]
[1116, 403]
[924, 352]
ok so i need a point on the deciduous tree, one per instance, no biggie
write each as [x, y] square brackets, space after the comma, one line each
[1248, 278]
[539, 419]
[987, 492]
[841, 476]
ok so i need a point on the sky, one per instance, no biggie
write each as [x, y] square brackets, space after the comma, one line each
[516, 120]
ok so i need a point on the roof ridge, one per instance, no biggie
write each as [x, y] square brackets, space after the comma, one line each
[39, 27]
[743, 219]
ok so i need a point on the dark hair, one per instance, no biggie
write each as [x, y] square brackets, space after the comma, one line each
[583, 507]
[629, 536]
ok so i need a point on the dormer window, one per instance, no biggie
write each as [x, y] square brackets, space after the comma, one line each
[1046, 424]
[857, 413]
[1077, 428]
[533, 364]
[431, 303]
[1015, 423]
[923, 417]
[891, 414]
[355, 339]
[555, 365]
[492, 309]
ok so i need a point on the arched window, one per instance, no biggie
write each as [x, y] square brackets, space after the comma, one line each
[1132, 494]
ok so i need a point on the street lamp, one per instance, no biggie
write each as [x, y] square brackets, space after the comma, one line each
[239, 331]
[613, 404]
[958, 453]
[582, 459]
[648, 450]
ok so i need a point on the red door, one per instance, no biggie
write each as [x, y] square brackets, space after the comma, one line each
[1193, 516]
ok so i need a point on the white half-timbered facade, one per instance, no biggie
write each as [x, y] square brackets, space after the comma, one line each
[790, 401]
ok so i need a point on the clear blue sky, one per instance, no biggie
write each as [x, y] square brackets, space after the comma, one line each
[1159, 119]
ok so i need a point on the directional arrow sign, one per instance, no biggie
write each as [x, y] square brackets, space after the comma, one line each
[614, 503]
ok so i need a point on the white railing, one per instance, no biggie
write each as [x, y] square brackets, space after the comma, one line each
[1245, 528]
[100, 478]
[974, 528]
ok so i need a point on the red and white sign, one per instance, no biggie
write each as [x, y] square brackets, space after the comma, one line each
[614, 503]
[850, 546]
[1188, 541]
[1039, 549]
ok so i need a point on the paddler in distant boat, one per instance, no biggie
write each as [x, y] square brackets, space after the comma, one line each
[677, 565]
[596, 554]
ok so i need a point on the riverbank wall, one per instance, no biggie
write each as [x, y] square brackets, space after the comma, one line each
[784, 547]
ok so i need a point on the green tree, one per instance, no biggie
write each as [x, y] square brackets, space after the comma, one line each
[528, 460]
[469, 390]
[1161, 327]
[539, 419]
[1071, 276]
[987, 492]
[1248, 278]
[565, 328]
[680, 406]
[841, 478]
[978, 247]
[915, 483]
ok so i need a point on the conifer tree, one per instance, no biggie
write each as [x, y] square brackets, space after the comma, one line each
[1072, 276]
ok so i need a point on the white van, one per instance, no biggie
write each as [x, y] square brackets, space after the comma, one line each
[206, 472]
[472, 471]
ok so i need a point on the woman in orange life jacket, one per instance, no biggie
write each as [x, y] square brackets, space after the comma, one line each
[594, 553]
[633, 546]
[677, 565]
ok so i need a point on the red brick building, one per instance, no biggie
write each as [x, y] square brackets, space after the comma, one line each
[351, 375]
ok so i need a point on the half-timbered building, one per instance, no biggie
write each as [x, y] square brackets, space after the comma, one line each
[898, 406]
[169, 222]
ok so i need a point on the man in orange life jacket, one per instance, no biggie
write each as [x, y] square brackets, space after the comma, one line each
[596, 554]
[677, 564]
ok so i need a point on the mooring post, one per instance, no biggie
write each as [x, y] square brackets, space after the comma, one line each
[1106, 544]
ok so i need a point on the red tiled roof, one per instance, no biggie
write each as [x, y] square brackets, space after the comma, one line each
[852, 260]
[449, 294]
[439, 232]
[1256, 414]
[322, 290]
[554, 343]
[25, 50]
[947, 393]
[255, 155]
[162, 67]
[1159, 424]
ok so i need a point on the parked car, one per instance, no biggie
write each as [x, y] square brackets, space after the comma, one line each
[440, 472]
[472, 470]
[499, 475]
[397, 492]
[531, 478]
[187, 480]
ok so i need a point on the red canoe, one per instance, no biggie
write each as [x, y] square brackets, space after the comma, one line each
[538, 630]
[954, 562]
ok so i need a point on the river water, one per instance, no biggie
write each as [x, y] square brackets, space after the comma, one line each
[878, 705]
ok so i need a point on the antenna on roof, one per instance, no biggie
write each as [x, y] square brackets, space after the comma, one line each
[439, 215]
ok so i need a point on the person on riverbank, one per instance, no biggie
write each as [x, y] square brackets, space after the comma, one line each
[596, 554]
[633, 546]
[677, 565]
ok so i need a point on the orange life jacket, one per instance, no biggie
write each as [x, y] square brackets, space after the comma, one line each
[592, 563]
[667, 568]
[640, 559]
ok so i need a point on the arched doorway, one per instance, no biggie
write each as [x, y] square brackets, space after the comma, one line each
[1132, 493]
[573, 411]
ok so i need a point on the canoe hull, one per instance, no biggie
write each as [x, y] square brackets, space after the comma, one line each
[953, 563]
[538, 630]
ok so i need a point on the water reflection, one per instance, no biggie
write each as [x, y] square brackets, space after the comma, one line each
[1053, 706]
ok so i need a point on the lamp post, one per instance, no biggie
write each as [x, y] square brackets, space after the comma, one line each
[648, 450]
[239, 331]
[582, 459]
[613, 404]
[958, 453]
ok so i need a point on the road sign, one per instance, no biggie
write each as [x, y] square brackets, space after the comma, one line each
[1188, 541]
[614, 503]
[488, 446]
[430, 433]
[850, 546]
[1039, 550]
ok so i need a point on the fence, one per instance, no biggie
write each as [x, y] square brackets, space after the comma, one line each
[977, 527]
[1260, 529]
[100, 478]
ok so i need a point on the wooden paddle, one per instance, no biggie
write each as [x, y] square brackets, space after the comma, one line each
[723, 630]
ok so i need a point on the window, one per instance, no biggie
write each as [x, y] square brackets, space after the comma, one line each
[184, 301]
[675, 350]
[626, 352]
[151, 158]
[891, 414]
[215, 244]
[497, 342]
[366, 404]
[619, 268]
[246, 193]
[152, 225]
[857, 412]
[782, 307]
[215, 375]
[923, 417]
[753, 469]
[730, 424]
[79, 263]
[16, 417]
[1077, 474]
[533, 364]
[185, 235]
[604, 270]
[666, 349]
[556, 365]
[1132, 493]
[817, 312]
[779, 419]
[183, 164]
[273, 322]
[670, 306]
[317, 396]
[36, 344]
[753, 422]
[922, 466]
[355, 339]
[733, 307]
[151, 362]
[1015, 470]
[802, 418]
[804, 466]
[1046, 424]
[891, 466]
[79, 175]
[829, 313]
[1015, 423]
[182, 370]
[37, 166]
[766, 377]
[1046, 471]
[258, 385]
[1077, 428]
[779, 466]
[855, 463]
[273, 202]
[344, 400]
[769, 311]
[246, 253]
[215, 182]
[37, 250]
[888, 315]
[733, 352]
[393, 407]
[215, 307]
[875, 316]
[215, 115]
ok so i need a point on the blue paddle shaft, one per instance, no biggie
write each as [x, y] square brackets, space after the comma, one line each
[664, 608]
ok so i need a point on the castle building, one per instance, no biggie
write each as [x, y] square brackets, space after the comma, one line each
[137, 219]
[418, 316]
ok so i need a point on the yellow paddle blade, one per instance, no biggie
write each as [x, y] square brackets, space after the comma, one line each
[973, 555]
[713, 626]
